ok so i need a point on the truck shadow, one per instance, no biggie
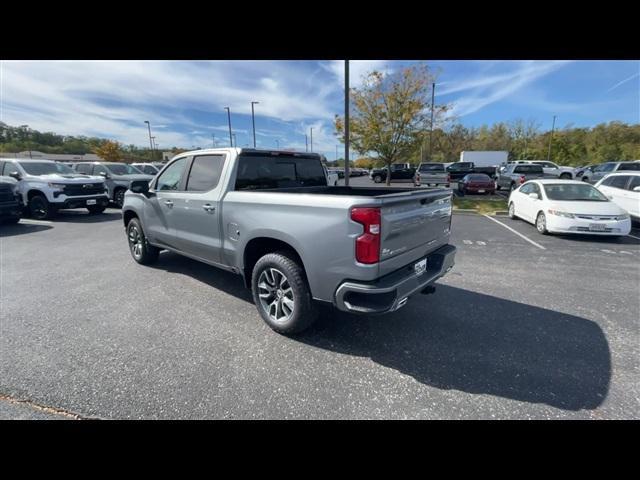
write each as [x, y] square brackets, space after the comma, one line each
[21, 229]
[480, 344]
[456, 339]
[82, 216]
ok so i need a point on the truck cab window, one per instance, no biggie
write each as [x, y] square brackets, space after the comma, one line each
[170, 179]
[205, 173]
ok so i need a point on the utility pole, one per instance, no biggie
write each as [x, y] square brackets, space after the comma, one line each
[312, 139]
[306, 143]
[253, 121]
[553, 126]
[150, 142]
[346, 123]
[433, 96]
[229, 118]
[235, 140]
[278, 144]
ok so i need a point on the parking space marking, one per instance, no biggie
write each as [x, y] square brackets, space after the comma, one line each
[35, 222]
[517, 233]
[626, 253]
[481, 243]
[607, 251]
[632, 236]
[467, 242]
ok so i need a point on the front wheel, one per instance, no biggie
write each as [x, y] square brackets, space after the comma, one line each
[541, 224]
[118, 197]
[377, 179]
[141, 251]
[281, 293]
[40, 208]
[565, 176]
[512, 211]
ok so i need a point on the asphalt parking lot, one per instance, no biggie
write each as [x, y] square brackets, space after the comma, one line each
[515, 331]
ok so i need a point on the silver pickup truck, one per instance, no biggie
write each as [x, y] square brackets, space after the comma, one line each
[270, 217]
[515, 174]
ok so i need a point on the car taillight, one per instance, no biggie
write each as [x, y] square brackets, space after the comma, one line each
[521, 178]
[367, 244]
[448, 178]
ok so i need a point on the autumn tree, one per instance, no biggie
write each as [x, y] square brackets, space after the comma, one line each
[109, 151]
[390, 113]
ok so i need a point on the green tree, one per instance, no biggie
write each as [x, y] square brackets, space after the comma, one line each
[390, 113]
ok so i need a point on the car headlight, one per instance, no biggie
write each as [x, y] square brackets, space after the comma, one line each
[57, 186]
[624, 216]
[561, 214]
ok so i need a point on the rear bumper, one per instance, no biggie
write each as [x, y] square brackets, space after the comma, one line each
[391, 292]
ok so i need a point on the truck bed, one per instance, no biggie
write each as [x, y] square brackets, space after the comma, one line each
[375, 192]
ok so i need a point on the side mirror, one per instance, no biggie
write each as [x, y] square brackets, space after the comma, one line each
[105, 175]
[140, 186]
[534, 196]
[16, 175]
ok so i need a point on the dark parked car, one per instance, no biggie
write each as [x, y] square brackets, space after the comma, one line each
[400, 172]
[476, 183]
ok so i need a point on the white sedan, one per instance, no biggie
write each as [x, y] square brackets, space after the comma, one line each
[568, 206]
[623, 189]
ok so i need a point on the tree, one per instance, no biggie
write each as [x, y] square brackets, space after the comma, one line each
[109, 151]
[390, 113]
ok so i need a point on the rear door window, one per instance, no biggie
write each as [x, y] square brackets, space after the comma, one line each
[635, 166]
[205, 173]
[84, 168]
[528, 169]
[619, 181]
[635, 182]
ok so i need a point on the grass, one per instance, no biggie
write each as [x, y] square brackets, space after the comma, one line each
[487, 205]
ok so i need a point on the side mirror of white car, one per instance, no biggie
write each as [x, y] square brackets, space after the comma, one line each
[534, 196]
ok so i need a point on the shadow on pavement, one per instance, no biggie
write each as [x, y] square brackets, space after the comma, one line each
[21, 229]
[83, 216]
[461, 340]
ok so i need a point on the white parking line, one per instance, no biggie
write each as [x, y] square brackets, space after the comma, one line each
[467, 242]
[517, 233]
[633, 236]
[481, 243]
[35, 222]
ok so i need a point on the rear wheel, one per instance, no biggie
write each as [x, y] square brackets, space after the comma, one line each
[565, 176]
[96, 209]
[141, 251]
[541, 224]
[11, 220]
[281, 293]
[40, 208]
[377, 179]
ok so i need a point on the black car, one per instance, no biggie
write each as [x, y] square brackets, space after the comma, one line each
[10, 201]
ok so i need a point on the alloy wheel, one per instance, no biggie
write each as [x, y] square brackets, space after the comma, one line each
[276, 295]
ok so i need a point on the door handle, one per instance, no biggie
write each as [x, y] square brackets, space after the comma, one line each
[209, 208]
[168, 203]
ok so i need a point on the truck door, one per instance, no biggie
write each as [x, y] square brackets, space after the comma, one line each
[197, 209]
[159, 208]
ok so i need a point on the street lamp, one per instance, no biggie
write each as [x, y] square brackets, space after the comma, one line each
[306, 143]
[229, 117]
[253, 121]
[235, 141]
[553, 126]
[150, 142]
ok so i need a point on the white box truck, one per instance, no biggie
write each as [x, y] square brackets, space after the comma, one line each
[486, 158]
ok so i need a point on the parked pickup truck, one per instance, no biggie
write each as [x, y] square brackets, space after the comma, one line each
[271, 217]
[431, 174]
[458, 170]
[400, 172]
[515, 174]
[10, 200]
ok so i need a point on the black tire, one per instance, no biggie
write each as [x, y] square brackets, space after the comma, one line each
[141, 251]
[497, 186]
[541, 224]
[40, 208]
[512, 211]
[377, 179]
[118, 197]
[513, 186]
[304, 311]
[565, 176]
[95, 209]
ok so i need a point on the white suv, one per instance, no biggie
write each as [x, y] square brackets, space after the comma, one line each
[46, 186]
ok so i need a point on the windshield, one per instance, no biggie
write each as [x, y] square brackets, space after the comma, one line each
[45, 168]
[567, 192]
[258, 171]
[122, 169]
[432, 167]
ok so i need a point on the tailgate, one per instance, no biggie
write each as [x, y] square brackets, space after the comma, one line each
[412, 226]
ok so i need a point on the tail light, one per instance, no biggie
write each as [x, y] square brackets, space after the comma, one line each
[367, 244]
[448, 178]
[521, 178]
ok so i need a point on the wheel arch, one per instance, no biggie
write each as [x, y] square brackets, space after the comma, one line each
[259, 246]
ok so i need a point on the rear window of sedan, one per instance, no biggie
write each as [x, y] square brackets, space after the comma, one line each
[478, 177]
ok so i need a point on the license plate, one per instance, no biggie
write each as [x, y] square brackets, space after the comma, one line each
[597, 227]
[420, 267]
[91, 202]
[480, 191]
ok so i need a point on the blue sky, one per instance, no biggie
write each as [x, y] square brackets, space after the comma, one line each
[184, 101]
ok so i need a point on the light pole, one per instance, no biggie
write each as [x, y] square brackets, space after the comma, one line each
[346, 123]
[253, 121]
[277, 144]
[235, 141]
[553, 126]
[150, 142]
[229, 118]
[306, 143]
[312, 139]
[433, 96]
